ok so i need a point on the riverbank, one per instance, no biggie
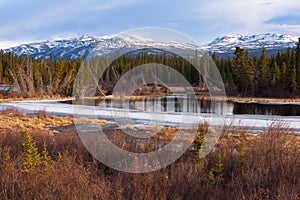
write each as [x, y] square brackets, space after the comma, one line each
[141, 97]
[5, 100]
[205, 97]
[266, 100]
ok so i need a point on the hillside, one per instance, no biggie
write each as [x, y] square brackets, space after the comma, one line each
[81, 47]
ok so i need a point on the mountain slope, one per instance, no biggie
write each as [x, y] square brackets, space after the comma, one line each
[254, 43]
[80, 47]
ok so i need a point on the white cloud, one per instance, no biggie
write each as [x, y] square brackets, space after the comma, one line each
[38, 20]
[7, 44]
[243, 15]
[57, 13]
[285, 29]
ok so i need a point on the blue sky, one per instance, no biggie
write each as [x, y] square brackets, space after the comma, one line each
[203, 20]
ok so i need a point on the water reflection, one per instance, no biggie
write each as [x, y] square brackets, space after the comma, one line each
[187, 104]
[267, 109]
[174, 103]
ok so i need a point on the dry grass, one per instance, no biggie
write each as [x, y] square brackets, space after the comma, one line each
[141, 97]
[13, 120]
[257, 99]
[205, 97]
[42, 97]
[265, 166]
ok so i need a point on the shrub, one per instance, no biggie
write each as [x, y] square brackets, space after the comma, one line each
[41, 114]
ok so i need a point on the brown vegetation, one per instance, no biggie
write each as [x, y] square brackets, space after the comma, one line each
[243, 166]
[12, 120]
[42, 97]
[269, 100]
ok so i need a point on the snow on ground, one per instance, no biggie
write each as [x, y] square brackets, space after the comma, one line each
[122, 116]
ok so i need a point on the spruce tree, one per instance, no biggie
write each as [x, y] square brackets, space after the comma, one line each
[1, 66]
[243, 72]
[32, 157]
[298, 62]
[263, 72]
[276, 75]
[293, 80]
[284, 77]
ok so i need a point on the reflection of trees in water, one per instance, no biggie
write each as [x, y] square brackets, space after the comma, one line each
[261, 109]
[172, 104]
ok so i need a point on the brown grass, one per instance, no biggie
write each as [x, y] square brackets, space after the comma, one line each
[13, 120]
[141, 97]
[266, 166]
[42, 97]
[257, 99]
[202, 97]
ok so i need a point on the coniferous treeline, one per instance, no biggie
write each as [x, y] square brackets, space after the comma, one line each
[275, 76]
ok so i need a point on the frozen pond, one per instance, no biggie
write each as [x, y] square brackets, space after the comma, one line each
[145, 117]
[186, 104]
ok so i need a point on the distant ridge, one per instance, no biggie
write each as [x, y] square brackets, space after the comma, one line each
[80, 47]
[254, 43]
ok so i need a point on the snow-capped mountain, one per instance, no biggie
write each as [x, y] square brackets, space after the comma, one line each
[254, 43]
[80, 47]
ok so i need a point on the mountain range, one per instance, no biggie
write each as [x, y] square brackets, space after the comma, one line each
[81, 47]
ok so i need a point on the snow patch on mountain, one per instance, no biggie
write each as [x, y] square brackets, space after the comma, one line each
[81, 47]
[257, 41]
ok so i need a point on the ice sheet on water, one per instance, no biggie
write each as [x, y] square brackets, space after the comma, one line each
[260, 122]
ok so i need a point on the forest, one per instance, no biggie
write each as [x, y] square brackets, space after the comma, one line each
[243, 76]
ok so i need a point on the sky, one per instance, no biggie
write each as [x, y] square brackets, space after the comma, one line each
[203, 20]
